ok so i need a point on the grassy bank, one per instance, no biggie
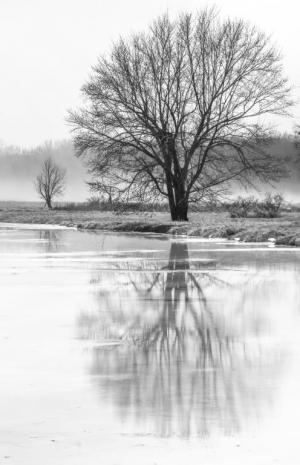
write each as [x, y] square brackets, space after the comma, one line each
[285, 229]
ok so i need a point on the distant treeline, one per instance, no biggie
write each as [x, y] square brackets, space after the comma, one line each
[18, 169]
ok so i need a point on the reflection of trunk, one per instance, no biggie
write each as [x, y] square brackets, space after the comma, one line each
[179, 256]
[51, 239]
[176, 282]
[183, 369]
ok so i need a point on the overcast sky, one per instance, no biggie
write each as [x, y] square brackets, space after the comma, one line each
[47, 48]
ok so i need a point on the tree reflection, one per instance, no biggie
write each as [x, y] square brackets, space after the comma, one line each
[173, 359]
[50, 238]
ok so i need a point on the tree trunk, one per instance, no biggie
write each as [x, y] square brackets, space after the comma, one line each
[49, 203]
[176, 186]
[179, 213]
[179, 205]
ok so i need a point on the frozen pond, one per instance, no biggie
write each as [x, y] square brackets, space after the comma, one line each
[147, 350]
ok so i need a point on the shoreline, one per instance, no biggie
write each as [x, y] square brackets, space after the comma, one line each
[284, 230]
[190, 231]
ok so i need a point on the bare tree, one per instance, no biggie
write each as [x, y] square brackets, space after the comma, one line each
[174, 111]
[50, 182]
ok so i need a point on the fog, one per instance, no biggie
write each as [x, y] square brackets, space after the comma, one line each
[284, 149]
[19, 168]
[290, 186]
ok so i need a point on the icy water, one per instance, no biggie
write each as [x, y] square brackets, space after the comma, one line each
[139, 349]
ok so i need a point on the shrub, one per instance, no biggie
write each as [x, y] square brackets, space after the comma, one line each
[247, 207]
[242, 207]
[269, 207]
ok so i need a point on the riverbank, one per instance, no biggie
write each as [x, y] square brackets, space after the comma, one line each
[285, 229]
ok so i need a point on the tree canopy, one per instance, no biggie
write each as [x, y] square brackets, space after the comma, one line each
[175, 112]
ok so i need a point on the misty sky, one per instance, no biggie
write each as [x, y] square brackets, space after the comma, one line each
[47, 48]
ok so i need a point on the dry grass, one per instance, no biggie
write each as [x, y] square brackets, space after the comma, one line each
[285, 229]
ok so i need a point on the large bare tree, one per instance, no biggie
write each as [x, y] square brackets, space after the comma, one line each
[50, 182]
[175, 111]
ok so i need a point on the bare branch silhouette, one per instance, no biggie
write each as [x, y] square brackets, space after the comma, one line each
[176, 359]
[173, 113]
[50, 182]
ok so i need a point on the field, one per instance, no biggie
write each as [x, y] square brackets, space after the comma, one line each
[285, 229]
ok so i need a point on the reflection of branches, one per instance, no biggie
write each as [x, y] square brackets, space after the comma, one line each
[51, 239]
[180, 363]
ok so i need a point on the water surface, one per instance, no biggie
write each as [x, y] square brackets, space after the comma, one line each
[146, 349]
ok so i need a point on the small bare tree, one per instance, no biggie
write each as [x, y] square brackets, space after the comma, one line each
[177, 110]
[50, 182]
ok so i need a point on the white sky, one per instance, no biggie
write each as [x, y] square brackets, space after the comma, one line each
[47, 48]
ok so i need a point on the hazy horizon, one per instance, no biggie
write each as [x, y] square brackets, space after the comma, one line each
[18, 170]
